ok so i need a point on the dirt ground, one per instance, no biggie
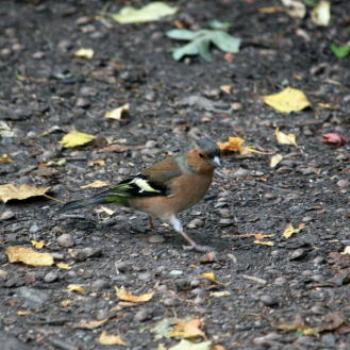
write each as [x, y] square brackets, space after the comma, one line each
[301, 283]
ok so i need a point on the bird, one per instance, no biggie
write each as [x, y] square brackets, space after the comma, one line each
[164, 189]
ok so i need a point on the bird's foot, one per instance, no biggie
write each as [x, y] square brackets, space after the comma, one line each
[199, 248]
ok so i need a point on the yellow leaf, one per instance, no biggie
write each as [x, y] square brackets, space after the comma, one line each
[76, 288]
[234, 144]
[63, 266]
[151, 12]
[95, 184]
[118, 113]
[20, 192]
[261, 236]
[277, 158]
[210, 276]
[188, 345]
[110, 339]
[285, 139]
[188, 329]
[24, 312]
[84, 53]
[5, 159]
[124, 295]
[38, 244]
[289, 231]
[321, 13]
[287, 101]
[92, 324]
[28, 256]
[76, 139]
[264, 243]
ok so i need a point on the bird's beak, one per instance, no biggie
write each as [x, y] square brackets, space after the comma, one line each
[216, 161]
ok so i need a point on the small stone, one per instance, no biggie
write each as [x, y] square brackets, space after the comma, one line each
[297, 254]
[143, 315]
[224, 213]
[268, 300]
[195, 223]
[34, 228]
[156, 239]
[100, 284]
[38, 55]
[343, 183]
[280, 281]
[51, 276]
[7, 215]
[85, 253]
[328, 340]
[33, 297]
[208, 258]
[145, 276]
[82, 102]
[170, 301]
[267, 340]
[3, 275]
[240, 172]
[175, 273]
[65, 240]
[224, 222]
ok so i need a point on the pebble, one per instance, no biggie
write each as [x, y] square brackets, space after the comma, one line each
[226, 222]
[51, 276]
[297, 254]
[175, 273]
[7, 215]
[195, 223]
[280, 281]
[145, 276]
[169, 301]
[3, 275]
[240, 172]
[33, 297]
[343, 183]
[100, 284]
[268, 300]
[224, 213]
[82, 102]
[156, 239]
[34, 228]
[143, 315]
[123, 266]
[85, 253]
[65, 240]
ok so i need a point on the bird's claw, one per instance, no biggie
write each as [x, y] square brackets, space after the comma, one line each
[198, 248]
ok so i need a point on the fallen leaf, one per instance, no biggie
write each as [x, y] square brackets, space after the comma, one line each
[268, 10]
[38, 244]
[346, 250]
[334, 139]
[84, 53]
[162, 328]
[118, 113]
[227, 89]
[301, 328]
[289, 231]
[5, 159]
[188, 329]
[321, 13]
[287, 101]
[188, 345]
[276, 159]
[24, 312]
[210, 276]
[28, 256]
[115, 148]
[110, 339]
[295, 8]
[76, 139]
[220, 294]
[63, 266]
[236, 144]
[124, 295]
[340, 51]
[285, 139]
[154, 11]
[20, 192]
[5, 130]
[264, 243]
[76, 288]
[95, 184]
[92, 324]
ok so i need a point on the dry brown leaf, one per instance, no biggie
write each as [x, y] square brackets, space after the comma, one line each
[38, 244]
[118, 113]
[20, 192]
[289, 231]
[63, 266]
[110, 339]
[76, 288]
[285, 139]
[188, 329]
[92, 324]
[124, 295]
[276, 159]
[28, 256]
[95, 184]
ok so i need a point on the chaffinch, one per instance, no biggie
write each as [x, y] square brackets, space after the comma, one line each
[166, 188]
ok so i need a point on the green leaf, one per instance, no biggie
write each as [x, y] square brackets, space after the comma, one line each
[225, 42]
[218, 25]
[181, 34]
[340, 51]
[151, 12]
[200, 42]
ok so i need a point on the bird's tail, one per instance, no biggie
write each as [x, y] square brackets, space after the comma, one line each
[117, 195]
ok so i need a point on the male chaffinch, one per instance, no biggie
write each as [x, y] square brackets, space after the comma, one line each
[166, 188]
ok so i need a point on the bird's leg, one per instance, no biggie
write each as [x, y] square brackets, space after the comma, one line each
[150, 223]
[177, 226]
